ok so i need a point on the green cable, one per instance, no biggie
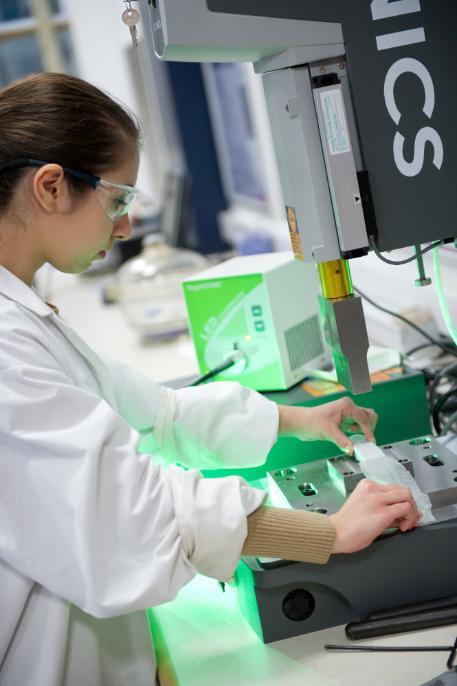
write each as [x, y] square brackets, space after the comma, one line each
[441, 297]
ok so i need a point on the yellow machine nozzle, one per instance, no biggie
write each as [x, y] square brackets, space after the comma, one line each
[335, 279]
[344, 326]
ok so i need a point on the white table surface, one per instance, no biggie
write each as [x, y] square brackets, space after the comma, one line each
[105, 328]
[208, 643]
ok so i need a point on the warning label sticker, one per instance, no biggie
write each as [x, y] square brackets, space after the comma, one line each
[335, 121]
[294, 233]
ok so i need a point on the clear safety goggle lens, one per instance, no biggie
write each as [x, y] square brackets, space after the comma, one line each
[115, 199]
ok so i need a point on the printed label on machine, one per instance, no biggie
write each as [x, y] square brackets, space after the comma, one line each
[335, 121]
[294, 233]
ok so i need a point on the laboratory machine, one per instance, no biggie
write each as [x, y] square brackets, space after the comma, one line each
[282, 599]
[362, 106]
[236, 311]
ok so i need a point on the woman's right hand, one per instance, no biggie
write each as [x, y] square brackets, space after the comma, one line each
[370, 509]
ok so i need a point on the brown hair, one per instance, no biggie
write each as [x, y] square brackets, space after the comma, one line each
[62, 119]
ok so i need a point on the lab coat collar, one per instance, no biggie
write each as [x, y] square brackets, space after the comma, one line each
[16, 290]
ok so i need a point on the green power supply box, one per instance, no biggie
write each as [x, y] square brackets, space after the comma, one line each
[265, 307]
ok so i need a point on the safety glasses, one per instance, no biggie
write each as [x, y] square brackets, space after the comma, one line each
[116, 199]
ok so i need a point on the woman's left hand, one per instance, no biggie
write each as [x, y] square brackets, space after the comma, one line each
[328, 422]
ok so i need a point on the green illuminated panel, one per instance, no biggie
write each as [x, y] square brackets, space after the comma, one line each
[392, 400]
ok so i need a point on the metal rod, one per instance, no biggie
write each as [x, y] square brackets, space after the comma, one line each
[423, 279]
[391, 649]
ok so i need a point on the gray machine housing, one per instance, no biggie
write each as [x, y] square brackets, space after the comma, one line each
[446, 679]
[397, 569]
[362, 105]
[401, 56]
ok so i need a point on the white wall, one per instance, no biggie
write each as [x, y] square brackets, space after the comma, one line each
[393, 287]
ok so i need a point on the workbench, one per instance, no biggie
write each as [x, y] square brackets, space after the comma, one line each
[202, 639]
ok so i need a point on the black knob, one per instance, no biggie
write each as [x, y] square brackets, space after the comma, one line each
[298, 605]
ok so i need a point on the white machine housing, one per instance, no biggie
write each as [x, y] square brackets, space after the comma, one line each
[264, 306]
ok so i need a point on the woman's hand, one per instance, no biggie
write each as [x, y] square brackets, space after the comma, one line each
[370, 509]
[328, 422]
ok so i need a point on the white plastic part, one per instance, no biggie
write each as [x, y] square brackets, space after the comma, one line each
[379, 467]
[441, 297]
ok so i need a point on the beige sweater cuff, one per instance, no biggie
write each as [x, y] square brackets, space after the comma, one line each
[289, 535]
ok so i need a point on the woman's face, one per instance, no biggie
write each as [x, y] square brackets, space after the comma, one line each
[76, 238]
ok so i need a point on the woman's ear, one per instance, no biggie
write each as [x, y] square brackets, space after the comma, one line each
[51, 189]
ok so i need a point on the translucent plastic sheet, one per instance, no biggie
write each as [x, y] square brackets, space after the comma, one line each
[383, 469]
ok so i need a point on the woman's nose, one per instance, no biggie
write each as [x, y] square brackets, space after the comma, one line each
[122, 228]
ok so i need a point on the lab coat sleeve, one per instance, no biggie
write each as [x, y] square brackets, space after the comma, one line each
[142, 402]
[218, 425]
[221, 424]
[91, 520]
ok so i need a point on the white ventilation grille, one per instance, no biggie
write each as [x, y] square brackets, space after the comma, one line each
[304, 342]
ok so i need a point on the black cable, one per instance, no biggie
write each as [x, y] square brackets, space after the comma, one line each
[426, 335]
[450, 371]
[416, 349]
[213, 372]
[379, 254]
[439, 406]
[451, 658]
[445, 341]
[448, 424]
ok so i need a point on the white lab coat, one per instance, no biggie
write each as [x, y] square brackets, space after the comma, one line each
[92, 532]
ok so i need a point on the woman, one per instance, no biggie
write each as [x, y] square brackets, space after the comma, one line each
[92, 531]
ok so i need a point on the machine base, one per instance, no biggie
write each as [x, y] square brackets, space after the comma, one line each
[281, 599]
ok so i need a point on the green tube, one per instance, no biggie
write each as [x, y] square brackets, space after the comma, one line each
[441, 297]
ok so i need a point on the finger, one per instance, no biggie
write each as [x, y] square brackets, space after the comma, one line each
[407, 523]
[352, 427]
[374, 419]
[410, 518]
[343, 442]
[401, 512]
[375, 487]
[347, 423]
[371, 415]
[359, 418]
[367, 430]
[401, 494]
